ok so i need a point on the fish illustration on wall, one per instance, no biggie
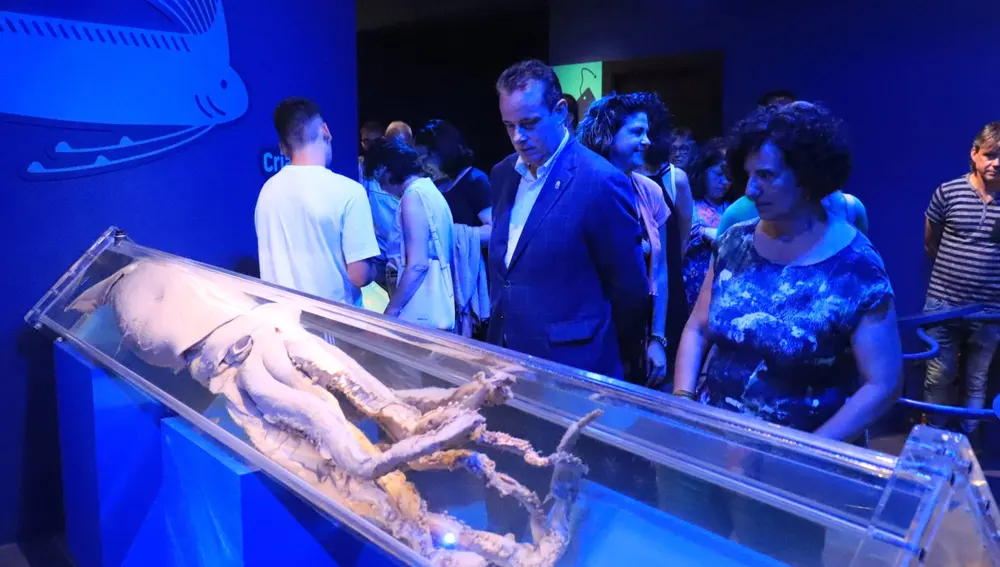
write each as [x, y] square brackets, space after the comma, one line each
[75, 72]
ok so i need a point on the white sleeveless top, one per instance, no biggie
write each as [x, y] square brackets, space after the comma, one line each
[441, 239]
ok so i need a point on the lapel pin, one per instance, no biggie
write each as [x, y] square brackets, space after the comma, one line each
[558, 183]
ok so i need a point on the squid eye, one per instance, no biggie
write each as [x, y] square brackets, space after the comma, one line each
[239, 351]
[223, 84]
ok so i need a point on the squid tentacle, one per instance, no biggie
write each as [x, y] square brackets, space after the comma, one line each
[522, 448]
[492, 391]
[334, 370]
[484, 467]
[272, 382]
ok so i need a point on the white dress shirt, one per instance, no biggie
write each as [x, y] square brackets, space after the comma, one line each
[527, 193]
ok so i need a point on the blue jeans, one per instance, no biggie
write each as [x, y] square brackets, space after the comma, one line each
[967, 346]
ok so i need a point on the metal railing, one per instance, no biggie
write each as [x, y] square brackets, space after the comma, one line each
[919, 323]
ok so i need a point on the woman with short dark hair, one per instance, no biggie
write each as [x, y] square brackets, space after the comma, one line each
[800, 315]
[449, 162]
[424, 292]
[712, 193]
[683, 147]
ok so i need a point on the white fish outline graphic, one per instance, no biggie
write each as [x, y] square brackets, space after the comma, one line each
[123, 76]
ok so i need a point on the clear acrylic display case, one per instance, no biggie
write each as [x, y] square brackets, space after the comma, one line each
[931, 505]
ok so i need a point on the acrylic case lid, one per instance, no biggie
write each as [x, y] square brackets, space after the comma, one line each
[930, 504]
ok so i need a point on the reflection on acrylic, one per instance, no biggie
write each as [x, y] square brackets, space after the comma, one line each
[280, 384]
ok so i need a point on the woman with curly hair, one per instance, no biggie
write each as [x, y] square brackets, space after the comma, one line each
[837, 204]
[617, 128]
[713, 193]
[800, 312]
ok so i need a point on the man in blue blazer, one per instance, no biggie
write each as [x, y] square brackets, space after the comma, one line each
[568, 281]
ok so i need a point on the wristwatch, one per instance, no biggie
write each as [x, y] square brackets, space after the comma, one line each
[659, 339]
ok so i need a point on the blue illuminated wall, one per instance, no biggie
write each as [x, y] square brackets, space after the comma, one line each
[912, 79]
[154, 116]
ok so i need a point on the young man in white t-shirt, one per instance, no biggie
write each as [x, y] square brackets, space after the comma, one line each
[314, 227]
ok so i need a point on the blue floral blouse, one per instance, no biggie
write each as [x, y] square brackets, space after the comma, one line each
[782, 334]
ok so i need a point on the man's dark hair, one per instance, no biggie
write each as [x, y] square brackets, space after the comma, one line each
[291, 119]
[399, 159]
[443, 139]
[605, 117]
[711, 154]
[373, 126]
[811, 141]
[987, 139]
[519, 75]
[572, 106]
[778, 96]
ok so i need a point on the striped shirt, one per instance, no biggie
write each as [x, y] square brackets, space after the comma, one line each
[967, 267]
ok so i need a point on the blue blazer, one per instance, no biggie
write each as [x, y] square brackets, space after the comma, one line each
[576, 290]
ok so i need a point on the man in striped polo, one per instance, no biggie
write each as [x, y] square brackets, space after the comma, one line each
[962, 238]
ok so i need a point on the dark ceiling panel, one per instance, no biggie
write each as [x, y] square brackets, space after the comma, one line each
[375, 14]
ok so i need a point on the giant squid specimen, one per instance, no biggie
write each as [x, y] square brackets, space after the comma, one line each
[279, 381]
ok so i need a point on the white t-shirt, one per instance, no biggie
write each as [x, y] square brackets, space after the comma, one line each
[311, 223]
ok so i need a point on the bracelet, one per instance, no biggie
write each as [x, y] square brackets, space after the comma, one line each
[685, 394]
[659, 339]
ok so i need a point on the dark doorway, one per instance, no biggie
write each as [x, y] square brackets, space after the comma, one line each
[448, 69]
[690, 85]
